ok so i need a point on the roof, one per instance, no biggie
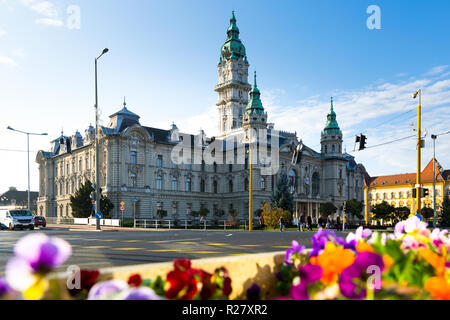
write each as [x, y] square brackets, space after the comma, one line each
[410, 178]
[18, 196]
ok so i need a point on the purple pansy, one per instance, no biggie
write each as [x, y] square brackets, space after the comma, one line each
[4, 288]
[254, 292]
[107, 288]
[35, 255]
[353, 279]
[308, 275]
[320, 239]
[42, 253]
[296, 249]
[141, 293]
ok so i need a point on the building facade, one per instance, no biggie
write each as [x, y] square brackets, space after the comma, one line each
[137, 162]
[397, 189]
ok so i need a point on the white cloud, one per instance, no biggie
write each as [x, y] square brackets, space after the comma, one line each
[18, 53]
[45, 8]
[50, 22]
[437, 70]
[7, 62]
[2, 32]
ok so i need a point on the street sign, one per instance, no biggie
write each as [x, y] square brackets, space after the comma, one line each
[135, 200]
[122, 208]
[122, 203]
[99, 215]
[419, 216]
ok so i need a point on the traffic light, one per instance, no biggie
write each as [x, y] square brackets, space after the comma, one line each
[414, 193]
[426, 192]
[362, 142]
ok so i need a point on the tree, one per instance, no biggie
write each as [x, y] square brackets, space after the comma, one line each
[161, 213]
[444, 216]
[354, 208]
[203, 212]
[401, 213]
[427, 213]
[273, 214]
[81, 202]
[382, 210]
[218, 213]
[327, 209]
[282, 198]
[232, 216]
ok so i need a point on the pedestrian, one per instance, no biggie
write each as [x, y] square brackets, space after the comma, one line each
[338, 221]
[320, 222]
[281, 221]
[309, 225]
[302, 222]
[261, 222]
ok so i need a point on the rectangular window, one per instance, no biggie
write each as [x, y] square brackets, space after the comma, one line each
[133, 157]
[159, 161]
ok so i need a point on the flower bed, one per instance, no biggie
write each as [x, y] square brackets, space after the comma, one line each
[411, 263]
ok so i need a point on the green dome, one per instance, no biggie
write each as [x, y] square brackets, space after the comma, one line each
[331, 120]
[255, 104]
[233, 47]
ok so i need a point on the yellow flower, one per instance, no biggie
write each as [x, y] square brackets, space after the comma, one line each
[438, 287]
[437, 261]
[37, 289]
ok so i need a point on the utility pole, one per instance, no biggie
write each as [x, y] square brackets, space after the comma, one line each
[250, 189]
[434, 179]
[419, 149]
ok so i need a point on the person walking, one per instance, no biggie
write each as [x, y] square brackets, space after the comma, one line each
[320, 222]
[302, 222]
[338, 221]
[281, 221]
[329, 223]
[261, 222]
[309, 223]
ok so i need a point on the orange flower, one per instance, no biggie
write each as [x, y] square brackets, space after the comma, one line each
[364, 247]
[438, 287]
[333, 260]
[388, 261]
[437, 261]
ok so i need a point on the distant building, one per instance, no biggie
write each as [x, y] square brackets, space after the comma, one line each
[13, 197]
[397, 189]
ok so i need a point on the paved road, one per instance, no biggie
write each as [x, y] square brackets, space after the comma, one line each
[118, 248]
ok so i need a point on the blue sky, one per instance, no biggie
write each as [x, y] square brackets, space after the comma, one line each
[163, 57]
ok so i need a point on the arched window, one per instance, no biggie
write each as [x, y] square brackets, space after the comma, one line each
[215, 186]
[159, 182]
[202, 186]
[230, 186]
[292, 180]
[133, 179]
[215, 167]
[315, 184]
[392, 195]
[188, 184]
[174, 184]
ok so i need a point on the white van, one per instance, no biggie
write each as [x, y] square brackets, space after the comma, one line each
[16, 219]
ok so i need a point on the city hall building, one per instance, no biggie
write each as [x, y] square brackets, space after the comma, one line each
[137, 162]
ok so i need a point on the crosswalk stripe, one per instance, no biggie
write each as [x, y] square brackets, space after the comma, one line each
[251, 245]
[216, 244]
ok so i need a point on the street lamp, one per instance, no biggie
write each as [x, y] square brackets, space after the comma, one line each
[28, 156]
[97, 165]
[419, 147]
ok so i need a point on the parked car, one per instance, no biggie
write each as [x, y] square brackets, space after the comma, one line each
[16, 219]
[40, 222]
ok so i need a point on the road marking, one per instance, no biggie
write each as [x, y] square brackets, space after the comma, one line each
[186, 242]
[108, 240]
[201, 252]
[239, 254]
[216, 244]
[282, 247]
[132, 240]
[177, 240]
[165, 250]
[250, 245]
[127, 249]
[96, 247]
[229, 235]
